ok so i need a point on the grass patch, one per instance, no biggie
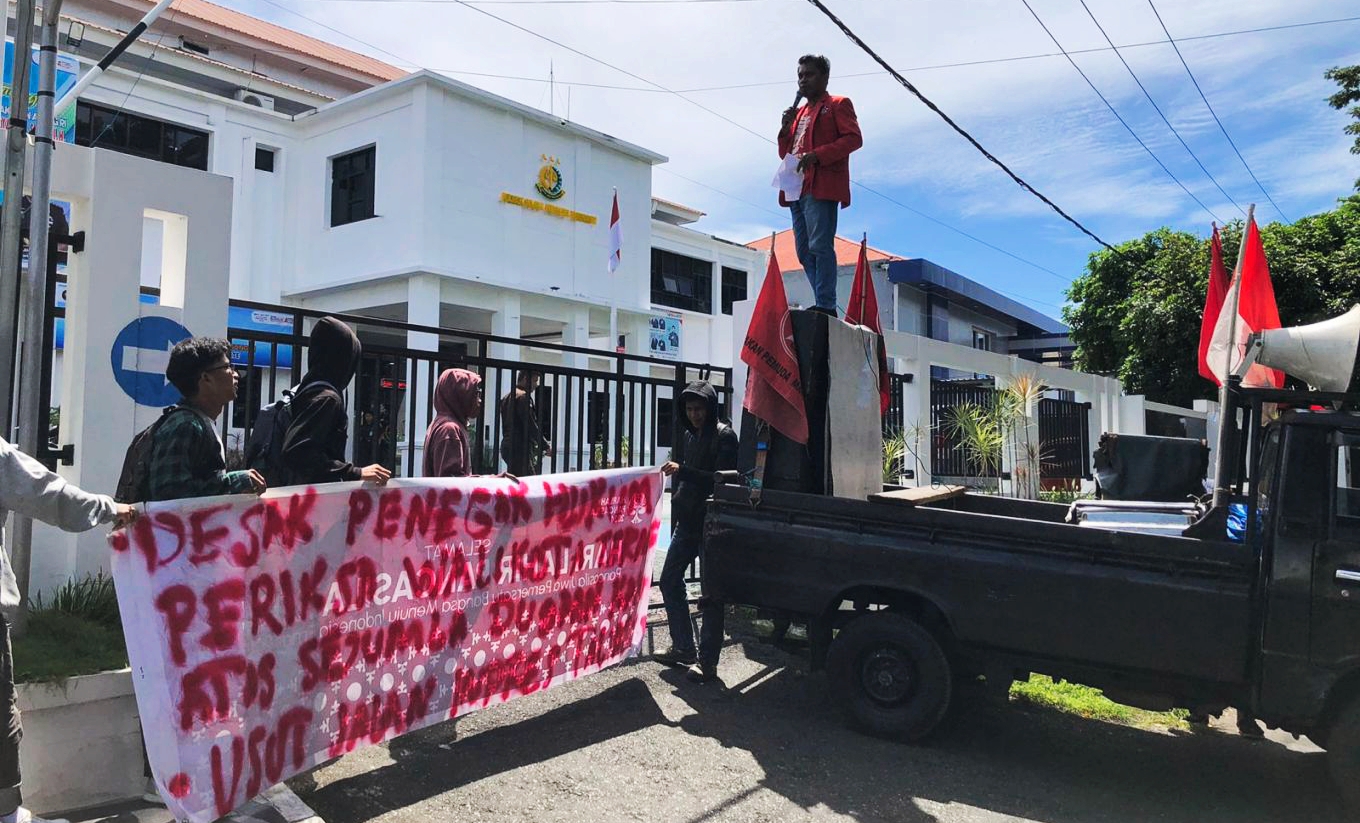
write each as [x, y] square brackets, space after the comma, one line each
[76, 631]
[58, 645]
[1085, 701]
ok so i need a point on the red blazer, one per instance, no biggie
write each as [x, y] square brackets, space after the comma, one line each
[835, 133]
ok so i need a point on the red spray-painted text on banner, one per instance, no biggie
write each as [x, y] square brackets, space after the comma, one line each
[270, 634]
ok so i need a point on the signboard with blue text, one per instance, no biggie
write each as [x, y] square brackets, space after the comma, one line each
[68, 70]
[279, 355]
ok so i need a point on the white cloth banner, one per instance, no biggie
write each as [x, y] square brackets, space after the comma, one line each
[267, 635]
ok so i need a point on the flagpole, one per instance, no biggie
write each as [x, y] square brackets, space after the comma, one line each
[864, 255]
[1227, 390]
[614, 302]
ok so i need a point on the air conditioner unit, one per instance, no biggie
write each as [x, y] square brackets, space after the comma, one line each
[254, 98]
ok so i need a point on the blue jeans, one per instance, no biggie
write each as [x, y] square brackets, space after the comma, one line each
[814, 237]
[687, 544]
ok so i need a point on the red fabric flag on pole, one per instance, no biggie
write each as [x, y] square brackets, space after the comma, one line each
[1213, 304]
[774, 386]
[862, 310]
[615, 236]
[1249, 306]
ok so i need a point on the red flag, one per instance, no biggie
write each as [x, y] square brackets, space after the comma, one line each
[615, 236]
[774, 387]
[862, 310]
[1254, 298]
[1213, 304]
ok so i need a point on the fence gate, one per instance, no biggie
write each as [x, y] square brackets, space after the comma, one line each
[947, 455]
[1064, 435]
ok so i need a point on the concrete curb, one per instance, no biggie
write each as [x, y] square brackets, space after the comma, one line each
[277, 804]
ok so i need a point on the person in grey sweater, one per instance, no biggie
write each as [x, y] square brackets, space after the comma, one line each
[27, 487]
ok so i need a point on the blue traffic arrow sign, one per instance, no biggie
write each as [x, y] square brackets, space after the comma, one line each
[140, 353]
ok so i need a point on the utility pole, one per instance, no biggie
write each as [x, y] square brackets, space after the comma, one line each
[32, 419]
[11, 212]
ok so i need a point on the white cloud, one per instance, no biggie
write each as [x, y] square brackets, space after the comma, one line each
[1037, 115]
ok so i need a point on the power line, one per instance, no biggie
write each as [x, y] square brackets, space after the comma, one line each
[1121, 120]
[232, 47]
[719, 115]
[1221, 127]
[1158, 109]
[1019, 181]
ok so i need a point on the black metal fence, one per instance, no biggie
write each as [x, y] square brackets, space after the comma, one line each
[948, 457]
[598, 409]
[1064, 432]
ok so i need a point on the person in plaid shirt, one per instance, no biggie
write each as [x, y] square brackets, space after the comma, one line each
[187, 456]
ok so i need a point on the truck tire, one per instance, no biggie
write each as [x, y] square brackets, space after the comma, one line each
[890, 676]
[1343, 754]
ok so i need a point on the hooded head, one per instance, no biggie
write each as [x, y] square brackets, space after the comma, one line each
[701, 391]
[333, 355]
[456, 395]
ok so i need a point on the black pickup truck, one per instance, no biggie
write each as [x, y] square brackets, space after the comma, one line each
[907, 600]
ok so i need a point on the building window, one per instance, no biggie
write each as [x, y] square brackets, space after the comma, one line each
[682, 282]
[352, 178]
[264, 159]
[984, 340]
[121, 131]
[733, 288]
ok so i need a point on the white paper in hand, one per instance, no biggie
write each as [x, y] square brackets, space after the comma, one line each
[788, 179]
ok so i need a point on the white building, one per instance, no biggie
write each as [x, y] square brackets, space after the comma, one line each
[361, 188]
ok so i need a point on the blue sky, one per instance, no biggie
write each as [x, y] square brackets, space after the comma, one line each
[1037, 115]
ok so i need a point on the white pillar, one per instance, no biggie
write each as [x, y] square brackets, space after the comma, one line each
[422, 308]
[505, 323]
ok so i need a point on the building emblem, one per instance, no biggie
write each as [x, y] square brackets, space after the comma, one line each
[550, 179]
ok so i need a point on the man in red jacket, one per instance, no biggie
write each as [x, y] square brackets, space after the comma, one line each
[821, 133]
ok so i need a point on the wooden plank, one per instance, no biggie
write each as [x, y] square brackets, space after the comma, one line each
[918, 496]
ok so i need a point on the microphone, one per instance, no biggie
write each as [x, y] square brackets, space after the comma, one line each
[797, 97]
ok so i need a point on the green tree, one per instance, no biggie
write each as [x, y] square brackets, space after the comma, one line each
[1136, 315]
[1348, 78]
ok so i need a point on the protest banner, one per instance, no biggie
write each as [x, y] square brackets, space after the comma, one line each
[267, 635]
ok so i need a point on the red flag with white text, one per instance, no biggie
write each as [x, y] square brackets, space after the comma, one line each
[774, 386]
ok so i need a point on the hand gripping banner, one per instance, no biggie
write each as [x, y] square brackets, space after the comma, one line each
[267, 635]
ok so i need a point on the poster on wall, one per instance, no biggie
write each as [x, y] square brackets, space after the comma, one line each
[665, 336]
[68, 70]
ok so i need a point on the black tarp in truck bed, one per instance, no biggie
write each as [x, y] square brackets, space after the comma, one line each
[1008, 575]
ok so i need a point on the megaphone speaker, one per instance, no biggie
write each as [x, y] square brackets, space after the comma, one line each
[1323, 355]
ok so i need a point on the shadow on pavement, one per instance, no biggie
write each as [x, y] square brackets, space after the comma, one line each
[1009, 759]
[424, 769]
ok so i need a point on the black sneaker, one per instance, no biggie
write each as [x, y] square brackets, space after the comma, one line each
[679, 658]
[702, 673]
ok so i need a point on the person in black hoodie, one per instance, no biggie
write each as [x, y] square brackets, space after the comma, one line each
[708, 445]
[314, 445]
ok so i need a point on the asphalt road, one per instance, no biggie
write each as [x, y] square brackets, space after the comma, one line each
[638, 742]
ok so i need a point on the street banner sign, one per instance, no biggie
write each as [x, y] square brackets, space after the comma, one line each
[270, 634]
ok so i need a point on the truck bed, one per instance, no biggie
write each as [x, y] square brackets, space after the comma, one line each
[1010, 577]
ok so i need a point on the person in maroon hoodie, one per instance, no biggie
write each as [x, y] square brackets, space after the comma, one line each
[821, 134]
[457, 400]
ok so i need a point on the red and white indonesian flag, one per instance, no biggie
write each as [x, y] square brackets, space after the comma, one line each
[615, 237]
[1254, 299]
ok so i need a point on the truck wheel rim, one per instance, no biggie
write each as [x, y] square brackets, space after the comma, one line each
[888, 675]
